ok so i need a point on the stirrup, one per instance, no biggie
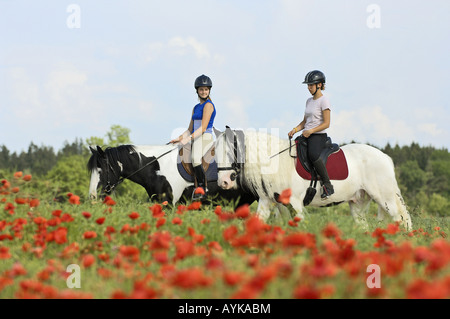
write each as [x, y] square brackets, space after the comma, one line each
[327, 192]
[199, 196]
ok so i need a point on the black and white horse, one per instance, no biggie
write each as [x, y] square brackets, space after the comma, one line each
[244, 159]
[156, 168]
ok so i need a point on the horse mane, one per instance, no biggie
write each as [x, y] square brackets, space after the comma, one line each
[114, 154]
[262, 173]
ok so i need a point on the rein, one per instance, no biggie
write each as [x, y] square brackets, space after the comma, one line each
[109, 188]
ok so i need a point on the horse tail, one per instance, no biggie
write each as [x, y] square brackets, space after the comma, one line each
[400, 204]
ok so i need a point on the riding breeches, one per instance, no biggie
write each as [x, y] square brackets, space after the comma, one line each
[316, 143]
[200, 146]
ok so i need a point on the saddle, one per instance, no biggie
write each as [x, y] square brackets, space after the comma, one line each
[302, 153]
[332, 156]
[186, 169]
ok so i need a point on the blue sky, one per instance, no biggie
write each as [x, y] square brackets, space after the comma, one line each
[133, 63]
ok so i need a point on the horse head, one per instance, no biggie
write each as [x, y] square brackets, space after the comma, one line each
[107, 168]
[229, 156]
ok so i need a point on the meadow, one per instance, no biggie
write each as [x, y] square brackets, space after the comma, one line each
[124, 248]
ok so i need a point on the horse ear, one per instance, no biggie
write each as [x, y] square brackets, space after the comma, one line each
[100, 151]
[92, 150]
[217, 132]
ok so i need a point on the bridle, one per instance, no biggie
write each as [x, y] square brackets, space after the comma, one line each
[238, 161]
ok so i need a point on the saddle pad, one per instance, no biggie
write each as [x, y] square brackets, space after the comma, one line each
[336, 166]
[211, 173]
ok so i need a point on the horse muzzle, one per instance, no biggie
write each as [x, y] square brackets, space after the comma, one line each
[227, 180]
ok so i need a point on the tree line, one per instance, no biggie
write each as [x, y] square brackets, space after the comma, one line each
[423, 173]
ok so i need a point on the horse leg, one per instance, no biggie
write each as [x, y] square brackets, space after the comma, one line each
[263, 210]
[297, 205]
[359, 205]
[390, 202]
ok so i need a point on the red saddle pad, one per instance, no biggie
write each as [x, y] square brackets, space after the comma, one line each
[336, 166]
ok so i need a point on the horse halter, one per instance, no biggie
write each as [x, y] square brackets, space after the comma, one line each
[108, 188]
[238, 156]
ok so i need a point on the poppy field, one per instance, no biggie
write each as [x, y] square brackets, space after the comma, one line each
[117, 248]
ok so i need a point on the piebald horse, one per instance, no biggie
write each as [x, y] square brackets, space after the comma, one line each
[154, 167]
[245, 159]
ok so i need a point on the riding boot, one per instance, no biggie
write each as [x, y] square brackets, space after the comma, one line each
[321, 169]
[200, 176]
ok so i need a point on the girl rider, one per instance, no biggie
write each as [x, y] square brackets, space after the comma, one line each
[199, 132]
[314, 125]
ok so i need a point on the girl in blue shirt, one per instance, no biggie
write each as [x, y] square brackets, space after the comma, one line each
[199, 132]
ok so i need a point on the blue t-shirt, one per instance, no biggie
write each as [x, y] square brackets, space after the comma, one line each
[198, 116]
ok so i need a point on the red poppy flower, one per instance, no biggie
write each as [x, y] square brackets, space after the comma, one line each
[285, 196]
[230, 232]
[194, 206]
[4, 253]
[27, 178]
[177, 221]
[20, 201]
[60, 235]
[243, 211]
[133, 215]
[88, 260]
[18, 174]
[157, 211]
[57, 213]
[200, 191]
[100, 220]
[160, 257]
[232, 278]
[160, 222]
[34, 202]
[86, 215]
[109, 201]
[89, 234]
[74, 199]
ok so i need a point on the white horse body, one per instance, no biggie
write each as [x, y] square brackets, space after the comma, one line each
[371, 172]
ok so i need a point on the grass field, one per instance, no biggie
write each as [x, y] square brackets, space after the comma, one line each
[121, 248]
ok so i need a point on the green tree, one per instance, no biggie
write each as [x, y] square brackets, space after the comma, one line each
[70, 175]
[118, 135]
[412, 176]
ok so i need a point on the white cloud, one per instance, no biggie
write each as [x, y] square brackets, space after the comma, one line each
[430, 129]
[235, 113]
[183, 45]
[178, 46]
[369, 125]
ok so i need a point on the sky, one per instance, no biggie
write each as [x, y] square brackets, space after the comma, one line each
[72, 69]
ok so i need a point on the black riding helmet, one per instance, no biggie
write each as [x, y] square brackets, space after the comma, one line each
[314, 77]
[202, 80]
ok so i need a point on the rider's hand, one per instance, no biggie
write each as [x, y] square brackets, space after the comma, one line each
[185, 140]
[175, 140]
[306, 133]
[291, 133]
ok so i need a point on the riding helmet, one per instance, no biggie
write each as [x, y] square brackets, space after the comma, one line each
[314, 77]
[202, 80]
